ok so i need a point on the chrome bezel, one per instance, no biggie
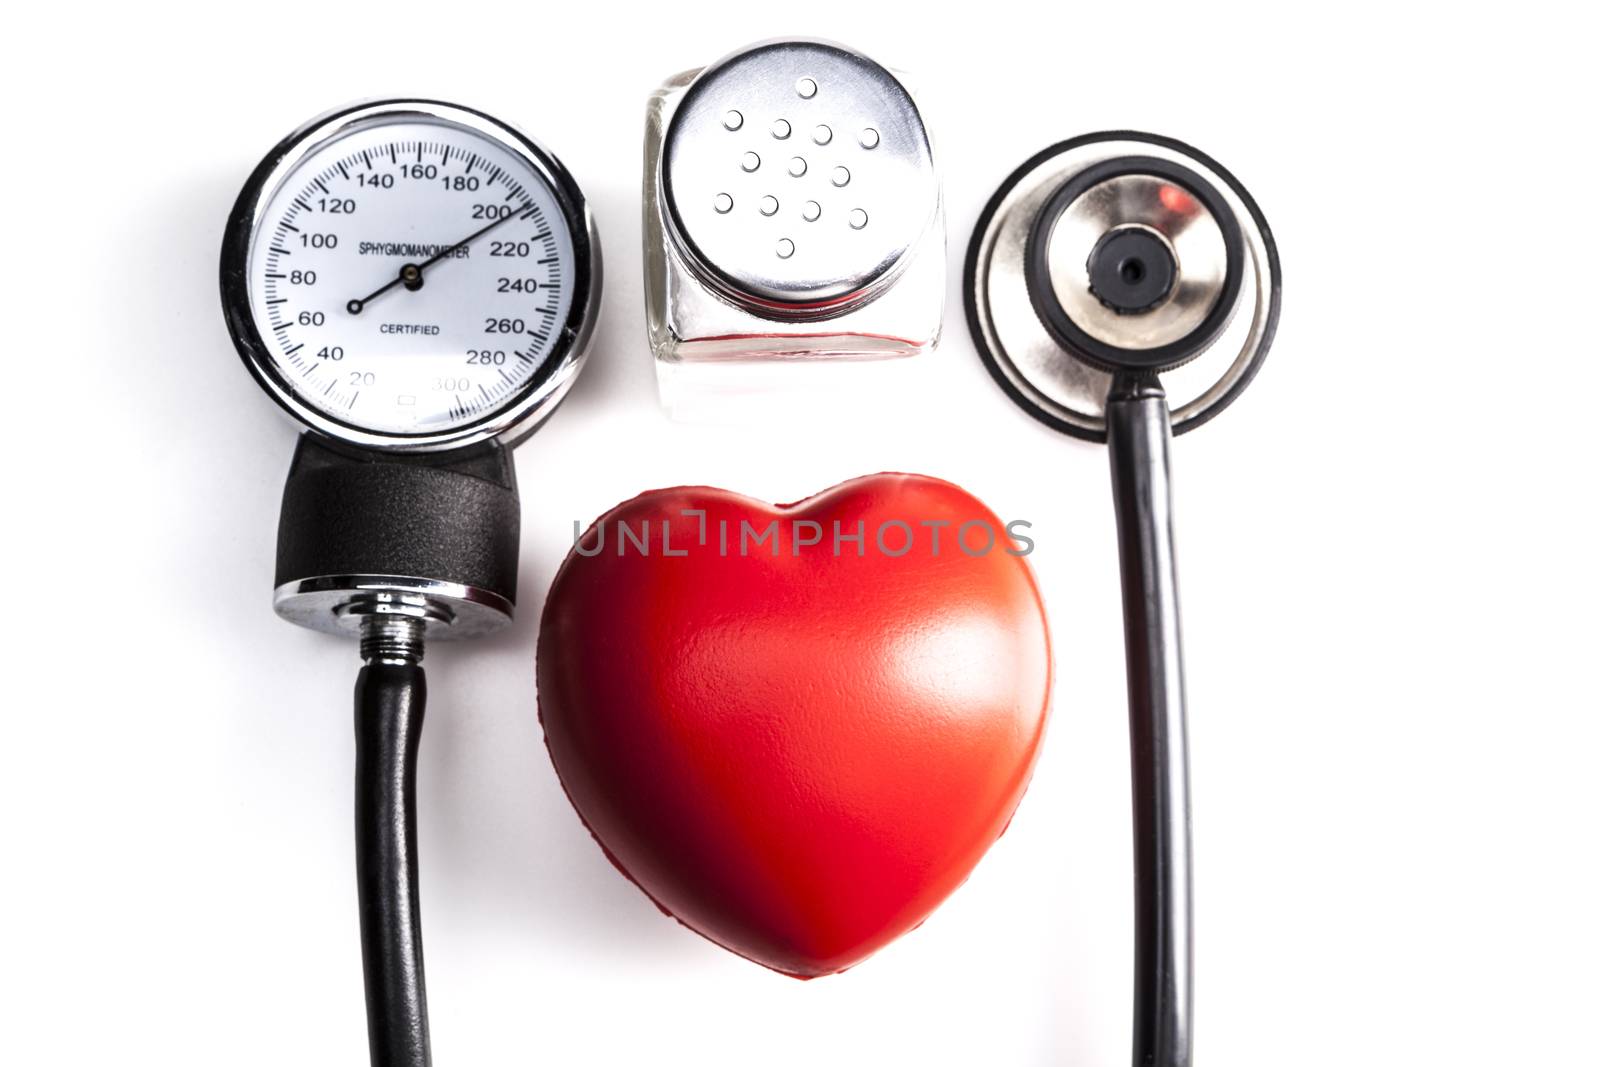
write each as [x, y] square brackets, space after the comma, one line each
[522, 413]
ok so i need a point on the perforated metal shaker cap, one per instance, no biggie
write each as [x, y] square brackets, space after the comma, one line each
[798, 176]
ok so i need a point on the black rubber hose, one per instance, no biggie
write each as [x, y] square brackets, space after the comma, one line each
[389, 705]
[1138, 431]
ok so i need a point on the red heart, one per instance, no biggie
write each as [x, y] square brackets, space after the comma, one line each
[801, 754]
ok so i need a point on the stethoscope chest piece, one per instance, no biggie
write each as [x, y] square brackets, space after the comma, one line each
[1121, 253]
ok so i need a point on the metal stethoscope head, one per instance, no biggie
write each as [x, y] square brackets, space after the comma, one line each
[1121, 253]
[1107, 275]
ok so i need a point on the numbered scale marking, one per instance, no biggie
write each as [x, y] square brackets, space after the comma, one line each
[411, 275]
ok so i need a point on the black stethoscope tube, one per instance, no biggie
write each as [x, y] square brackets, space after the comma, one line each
[1139, 434]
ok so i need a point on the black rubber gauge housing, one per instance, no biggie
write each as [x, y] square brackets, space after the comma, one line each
[454, 517]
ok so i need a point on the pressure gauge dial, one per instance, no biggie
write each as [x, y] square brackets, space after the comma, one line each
[413, 276]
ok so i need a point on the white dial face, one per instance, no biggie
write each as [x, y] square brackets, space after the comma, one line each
[410, 275]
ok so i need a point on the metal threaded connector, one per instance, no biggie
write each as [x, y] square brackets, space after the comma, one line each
[395, 640]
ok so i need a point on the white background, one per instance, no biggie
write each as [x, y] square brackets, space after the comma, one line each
[1387, 553]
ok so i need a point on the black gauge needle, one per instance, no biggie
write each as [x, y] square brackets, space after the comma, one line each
[411, 274]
